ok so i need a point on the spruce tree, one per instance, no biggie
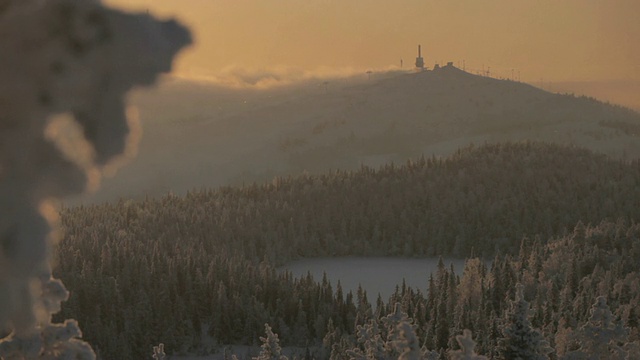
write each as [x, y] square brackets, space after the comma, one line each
[519, 339]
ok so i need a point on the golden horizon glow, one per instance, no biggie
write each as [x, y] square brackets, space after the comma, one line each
[549, 40]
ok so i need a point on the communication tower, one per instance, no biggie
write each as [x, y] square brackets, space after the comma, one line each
[419, 59]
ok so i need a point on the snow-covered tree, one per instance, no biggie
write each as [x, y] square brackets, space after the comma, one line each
[391, 323]
[270, 349]
[467, 346]
[408, 344]
[158, 352]
[520, 340]
[601, 337]
[397, 341]
[371, 344]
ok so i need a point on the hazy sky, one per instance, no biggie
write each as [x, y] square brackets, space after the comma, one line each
[555, 40]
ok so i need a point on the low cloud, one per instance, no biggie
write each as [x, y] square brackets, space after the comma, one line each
[264, 78]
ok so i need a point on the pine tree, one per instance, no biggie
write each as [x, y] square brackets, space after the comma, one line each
[520, 340]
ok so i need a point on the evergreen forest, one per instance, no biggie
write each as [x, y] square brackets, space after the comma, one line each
[549, 234]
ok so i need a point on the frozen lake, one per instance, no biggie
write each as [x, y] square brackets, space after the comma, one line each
[375, 274]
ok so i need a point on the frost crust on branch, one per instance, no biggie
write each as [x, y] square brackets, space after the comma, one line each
[76, 58]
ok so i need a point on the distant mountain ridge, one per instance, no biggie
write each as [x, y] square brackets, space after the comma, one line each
[199, 135]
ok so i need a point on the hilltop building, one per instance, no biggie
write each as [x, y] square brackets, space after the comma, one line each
[419, 60]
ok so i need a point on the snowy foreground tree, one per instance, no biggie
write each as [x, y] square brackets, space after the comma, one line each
[64, 70]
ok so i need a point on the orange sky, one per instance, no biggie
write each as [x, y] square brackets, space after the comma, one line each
[554, 40]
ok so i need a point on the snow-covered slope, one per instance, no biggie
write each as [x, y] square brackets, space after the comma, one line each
[201, 135]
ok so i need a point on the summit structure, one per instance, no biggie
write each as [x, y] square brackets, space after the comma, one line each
[419, 59]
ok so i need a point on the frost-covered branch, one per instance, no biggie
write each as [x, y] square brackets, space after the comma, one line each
[72, 59]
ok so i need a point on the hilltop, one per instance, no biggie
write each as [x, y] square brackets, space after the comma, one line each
[202, 135]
